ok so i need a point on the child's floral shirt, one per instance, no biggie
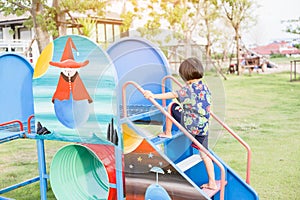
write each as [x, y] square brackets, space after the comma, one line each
[195, 100]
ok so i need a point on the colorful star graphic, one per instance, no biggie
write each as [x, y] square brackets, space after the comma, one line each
[140, 159]
[150, 155]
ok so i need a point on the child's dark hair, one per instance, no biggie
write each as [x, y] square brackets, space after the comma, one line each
[190, 69]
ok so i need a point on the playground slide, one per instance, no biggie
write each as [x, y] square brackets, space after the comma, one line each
[181, 164]
[154, 168]
[177, 161]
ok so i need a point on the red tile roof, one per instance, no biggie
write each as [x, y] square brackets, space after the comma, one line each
[276, 48]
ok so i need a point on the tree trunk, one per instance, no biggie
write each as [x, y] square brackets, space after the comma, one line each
[237, 39]
[208, 45]
[42, 36]
[60, 19]
[188, 44]
[206, 15]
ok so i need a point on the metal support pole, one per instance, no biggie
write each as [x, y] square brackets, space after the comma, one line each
[291, 72]
[295, 68]
[119, 173]
[42, 168]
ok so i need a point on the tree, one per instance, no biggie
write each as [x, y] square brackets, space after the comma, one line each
[184, 18]
[209, 12]
[293, 26]
[88, 26]
[238, 12]
[49, 20]
[68, 8]
[39, 12]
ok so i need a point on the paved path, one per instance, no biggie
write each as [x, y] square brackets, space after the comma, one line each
[285, 67]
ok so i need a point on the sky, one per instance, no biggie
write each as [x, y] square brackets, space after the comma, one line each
[269, 26]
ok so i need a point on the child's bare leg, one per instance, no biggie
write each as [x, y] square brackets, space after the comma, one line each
[168, 131]
[210, 172]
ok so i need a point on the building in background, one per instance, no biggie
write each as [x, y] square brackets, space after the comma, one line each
[15, 37]
[277, 48]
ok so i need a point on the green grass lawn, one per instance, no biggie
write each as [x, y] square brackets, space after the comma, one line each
[264, 109]
[19, 162]
[284, 60]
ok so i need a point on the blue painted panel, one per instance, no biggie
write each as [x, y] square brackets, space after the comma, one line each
[175, 153]
[16, 100]
[156, 191]
[140, 61]
[236, 187]
[198, 174]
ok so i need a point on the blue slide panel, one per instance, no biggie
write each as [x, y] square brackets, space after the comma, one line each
[15, 88]
[236, 187]
[173, 151]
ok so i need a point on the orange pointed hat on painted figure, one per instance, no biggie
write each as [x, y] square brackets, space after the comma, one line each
[67, 58]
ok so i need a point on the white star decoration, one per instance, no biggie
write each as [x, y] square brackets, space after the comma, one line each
[139, 159]
[150, 166]
[169, 171]
[130, 166]
[150, 155]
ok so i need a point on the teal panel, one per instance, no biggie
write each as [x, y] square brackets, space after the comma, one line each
[71, 116]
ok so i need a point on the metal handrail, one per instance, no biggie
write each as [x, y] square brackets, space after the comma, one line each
[163, 87]
[12, 122]
[29, 123]
[157, 105]
[238, 138]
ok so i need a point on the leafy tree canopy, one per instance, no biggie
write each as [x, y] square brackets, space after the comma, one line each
[293, 26]
[47, 19]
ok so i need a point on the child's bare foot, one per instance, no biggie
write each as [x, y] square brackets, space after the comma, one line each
[165, 135]
[209, 186]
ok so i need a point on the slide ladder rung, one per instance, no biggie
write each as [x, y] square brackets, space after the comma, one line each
[189, 162]
[210, 192]
[159, 140]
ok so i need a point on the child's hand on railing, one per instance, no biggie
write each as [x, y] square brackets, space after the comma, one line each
[148, 94]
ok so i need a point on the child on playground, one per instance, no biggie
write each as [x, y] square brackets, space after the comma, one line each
[194, 112]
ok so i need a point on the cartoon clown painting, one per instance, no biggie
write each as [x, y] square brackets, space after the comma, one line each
[71, 99]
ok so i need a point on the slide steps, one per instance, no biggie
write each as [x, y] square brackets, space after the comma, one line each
[187, 163]
[212, 193]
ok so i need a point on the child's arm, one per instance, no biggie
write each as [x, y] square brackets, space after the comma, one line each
[169, 95]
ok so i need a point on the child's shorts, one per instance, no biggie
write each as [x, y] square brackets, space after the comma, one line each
[202, 139]
[176, 113]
